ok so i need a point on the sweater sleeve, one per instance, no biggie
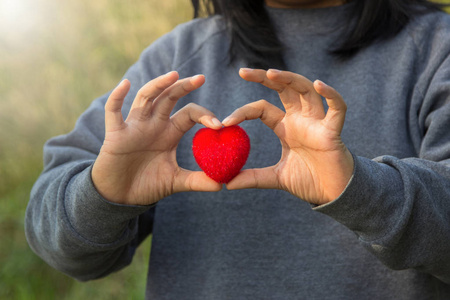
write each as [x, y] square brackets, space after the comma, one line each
[67, 223]
[400, 208]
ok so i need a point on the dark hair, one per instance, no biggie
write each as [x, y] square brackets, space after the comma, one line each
[253, 37]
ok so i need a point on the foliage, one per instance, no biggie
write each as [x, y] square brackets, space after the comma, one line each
[55, 58]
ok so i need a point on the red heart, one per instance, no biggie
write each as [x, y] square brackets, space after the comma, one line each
[222, 153]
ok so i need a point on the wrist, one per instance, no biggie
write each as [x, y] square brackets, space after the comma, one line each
[340, 180]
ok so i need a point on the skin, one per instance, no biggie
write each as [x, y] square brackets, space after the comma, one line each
[315, 165]
[303, 3]
[137, 162]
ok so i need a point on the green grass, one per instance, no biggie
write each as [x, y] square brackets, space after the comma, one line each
[55, 58]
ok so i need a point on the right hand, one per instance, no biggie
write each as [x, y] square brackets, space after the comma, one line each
[137, 163]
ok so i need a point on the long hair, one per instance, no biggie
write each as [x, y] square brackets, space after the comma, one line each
[254, 40]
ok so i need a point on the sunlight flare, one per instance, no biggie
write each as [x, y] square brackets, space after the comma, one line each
[17, 16]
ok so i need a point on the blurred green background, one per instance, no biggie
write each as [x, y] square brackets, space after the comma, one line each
[55, 58]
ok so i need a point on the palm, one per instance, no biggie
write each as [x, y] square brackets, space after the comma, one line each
[315, 165]
[146, 153]
[137, 163]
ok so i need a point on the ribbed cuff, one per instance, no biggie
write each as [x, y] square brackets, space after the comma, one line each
[370, 202]
[95, 218]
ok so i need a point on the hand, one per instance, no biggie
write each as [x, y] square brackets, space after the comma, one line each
[137, 162]
[315, 164]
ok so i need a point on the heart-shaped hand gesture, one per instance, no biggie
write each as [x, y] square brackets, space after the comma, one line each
[137, 162]
[315, 165]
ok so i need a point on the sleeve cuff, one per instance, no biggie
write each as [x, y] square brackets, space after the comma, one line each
[95, 218]
[371, 200]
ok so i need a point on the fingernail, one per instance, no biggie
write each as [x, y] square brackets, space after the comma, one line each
[227, 119]
[121, 83]
[320, 82]
[274, 71]
[195, 78]
[168, 73]
[216, 122]
[246, 70]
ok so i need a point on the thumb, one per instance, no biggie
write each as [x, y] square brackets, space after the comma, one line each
[186, 181]
[264, 178]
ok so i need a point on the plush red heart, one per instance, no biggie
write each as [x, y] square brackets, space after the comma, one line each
[222, 153]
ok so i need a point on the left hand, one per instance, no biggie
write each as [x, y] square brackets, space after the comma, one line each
[315, 164]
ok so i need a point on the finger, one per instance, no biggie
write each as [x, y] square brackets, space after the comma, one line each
[267, 112]
[259, 76]
[186, 181]
[113, 106]
[337, 108]
[265, 178]
[152, 89]
[164, 103]
[310, 102]
[191, 114]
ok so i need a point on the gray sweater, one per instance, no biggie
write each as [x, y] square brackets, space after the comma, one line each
[386, 237]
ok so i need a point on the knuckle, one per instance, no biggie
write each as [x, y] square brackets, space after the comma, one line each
[173, 97]
[143, 94]
[178, 125]
[140, 93]
[158, 84]
[187, 86]
[262, 103]
[192, 105]
[113, 105]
